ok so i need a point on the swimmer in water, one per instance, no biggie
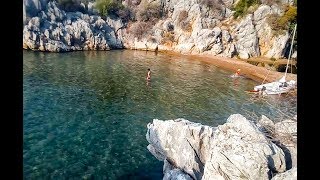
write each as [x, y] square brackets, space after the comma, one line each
[238, 72]
[149, 75]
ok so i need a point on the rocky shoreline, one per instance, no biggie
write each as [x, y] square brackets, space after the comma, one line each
[49, 28]
[238, 149]
[215, 40]
[259, 74]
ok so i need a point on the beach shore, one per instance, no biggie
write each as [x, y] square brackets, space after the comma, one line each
[260, 74]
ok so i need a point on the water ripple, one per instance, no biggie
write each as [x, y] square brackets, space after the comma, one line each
[85, 113]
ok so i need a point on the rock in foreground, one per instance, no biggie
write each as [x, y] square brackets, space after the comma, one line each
[238, 149]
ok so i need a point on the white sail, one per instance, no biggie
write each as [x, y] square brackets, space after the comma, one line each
[283, 79]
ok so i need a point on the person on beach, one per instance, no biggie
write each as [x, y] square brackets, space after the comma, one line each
[149, 75]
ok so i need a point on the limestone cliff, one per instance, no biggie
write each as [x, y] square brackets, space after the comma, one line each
[188, 27]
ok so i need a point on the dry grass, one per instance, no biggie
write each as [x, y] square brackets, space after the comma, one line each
[168, 38]
[140, 29]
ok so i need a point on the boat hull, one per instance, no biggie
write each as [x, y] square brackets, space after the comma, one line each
[276, 87]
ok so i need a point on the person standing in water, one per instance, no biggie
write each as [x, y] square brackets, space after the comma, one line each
[238, 72]
[149, 75]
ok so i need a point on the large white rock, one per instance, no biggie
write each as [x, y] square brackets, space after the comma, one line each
[261, 13]
[217, 48]
[288, 175]
[32, 7]
[265, 124]
[284, 133]
[170, 172]
[206, 38]
[234, 150]
[185, 48]
[230, 51]
[278, 46]
[61, 31]
[286, 127]
[270, 45]
[241, 151]
[186, 144]
[176, 174]
[247, 43]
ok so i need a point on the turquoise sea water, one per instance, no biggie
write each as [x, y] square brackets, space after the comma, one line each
[85, 113]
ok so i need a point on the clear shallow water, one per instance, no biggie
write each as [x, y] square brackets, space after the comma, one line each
[85, 113]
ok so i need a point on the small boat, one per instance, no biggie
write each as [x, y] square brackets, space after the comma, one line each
[277, 87]
[281, 86]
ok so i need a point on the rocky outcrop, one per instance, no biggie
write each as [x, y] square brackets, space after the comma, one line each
[189, 27]
[31, 8]
[271, 46]
[288, 175]
[169, 172]
[247, 39]
[238, 149]
[216, 33]
[181, 148]
[241, 151]
[291, 2]
[284, 134]
[278, 47]
[57, 31]
[264, 31]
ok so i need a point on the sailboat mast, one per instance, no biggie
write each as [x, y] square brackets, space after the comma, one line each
[294, 32]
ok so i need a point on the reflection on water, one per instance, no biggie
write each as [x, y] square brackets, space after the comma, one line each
[85, 113]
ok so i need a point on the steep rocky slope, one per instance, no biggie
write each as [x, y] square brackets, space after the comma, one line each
[187, 27]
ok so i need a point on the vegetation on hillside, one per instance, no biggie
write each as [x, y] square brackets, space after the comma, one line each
[184, 23]
[108, 7]
[140, 29]
[148, 12]
[241, 8]
[145, 15]
[216, 8]
[279, 24]
[142, 15]
[73, 5]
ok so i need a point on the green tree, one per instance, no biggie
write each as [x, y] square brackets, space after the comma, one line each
[108, 7]
[242, 6]
[284, 22]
